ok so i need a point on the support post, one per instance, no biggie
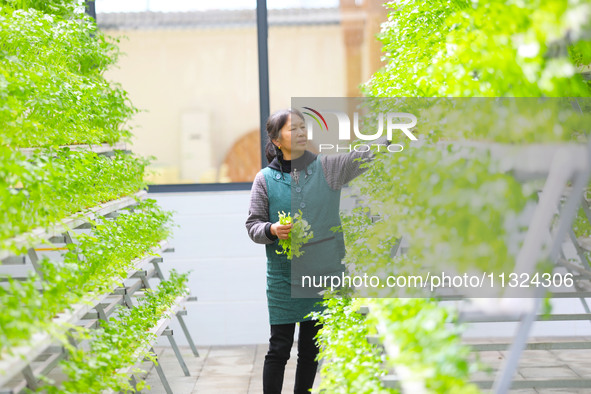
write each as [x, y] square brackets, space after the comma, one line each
[169, 334]
[90, 8]
[262, 33]
[187, 334]
[161, 374]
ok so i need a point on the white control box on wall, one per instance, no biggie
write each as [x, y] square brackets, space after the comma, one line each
[195, 146]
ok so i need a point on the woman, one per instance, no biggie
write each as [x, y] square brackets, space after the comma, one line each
[296, 179]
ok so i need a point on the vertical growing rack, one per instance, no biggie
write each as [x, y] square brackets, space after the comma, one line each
[467, 206]
[81, 287]
[566, 172]
[478, 49]
[22, 367]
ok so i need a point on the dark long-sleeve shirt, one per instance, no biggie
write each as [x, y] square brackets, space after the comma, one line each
[338, 170]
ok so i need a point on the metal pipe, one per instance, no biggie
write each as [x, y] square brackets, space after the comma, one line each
[90, 8]
[262, 33]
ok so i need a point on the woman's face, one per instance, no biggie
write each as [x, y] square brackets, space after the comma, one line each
[293, 137]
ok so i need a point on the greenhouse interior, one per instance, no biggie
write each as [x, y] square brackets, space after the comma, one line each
[326, 196]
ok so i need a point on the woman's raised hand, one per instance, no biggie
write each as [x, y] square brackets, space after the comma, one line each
[281, 231]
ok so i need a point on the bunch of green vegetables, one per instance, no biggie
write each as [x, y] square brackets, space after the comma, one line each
[299, 235]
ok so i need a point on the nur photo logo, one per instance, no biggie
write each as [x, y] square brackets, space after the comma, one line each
[395, 122]
[315, 118]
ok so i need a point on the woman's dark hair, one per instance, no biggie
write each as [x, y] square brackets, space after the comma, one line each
[274, 125]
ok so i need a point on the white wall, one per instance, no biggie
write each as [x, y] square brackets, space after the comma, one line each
[228, 269]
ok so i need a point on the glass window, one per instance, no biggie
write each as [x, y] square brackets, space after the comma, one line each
[192, 68]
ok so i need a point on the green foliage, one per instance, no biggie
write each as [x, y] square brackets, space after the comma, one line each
[51, 85]
[53, 93]
[93, 265]
[580, 52]
[461, 212]
[351, 365]
[582, 225]
[469, 48]
[119, 343]
[582, 230]
[299, 235]
[458, 207]
[426, 346]
[464, 215]
[41, 190]
[64, 8]
[285, 244]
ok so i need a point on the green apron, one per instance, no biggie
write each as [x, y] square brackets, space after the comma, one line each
[322, 254]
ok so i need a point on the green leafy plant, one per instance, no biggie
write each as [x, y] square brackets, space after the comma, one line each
[299, 235]
[462, 48]
[454, 204]
[45, 188]
[94, 265]
[64, 8]
[582, 230]
[350, 364]
[285, 244]
[582, 225]
[427, 341]
[465, 215]
[53, 93]
[52, 60]
[119, 344]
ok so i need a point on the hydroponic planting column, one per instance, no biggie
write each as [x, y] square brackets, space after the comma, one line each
[74, 223]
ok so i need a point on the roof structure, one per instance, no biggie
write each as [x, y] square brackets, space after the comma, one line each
[216, 18]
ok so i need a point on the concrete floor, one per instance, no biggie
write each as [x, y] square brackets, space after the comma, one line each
[238, 369]
[217, 370]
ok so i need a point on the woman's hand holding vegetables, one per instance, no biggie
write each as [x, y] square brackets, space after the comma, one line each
[281, 231]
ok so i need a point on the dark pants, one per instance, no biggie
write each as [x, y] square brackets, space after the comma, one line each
[279, 349]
